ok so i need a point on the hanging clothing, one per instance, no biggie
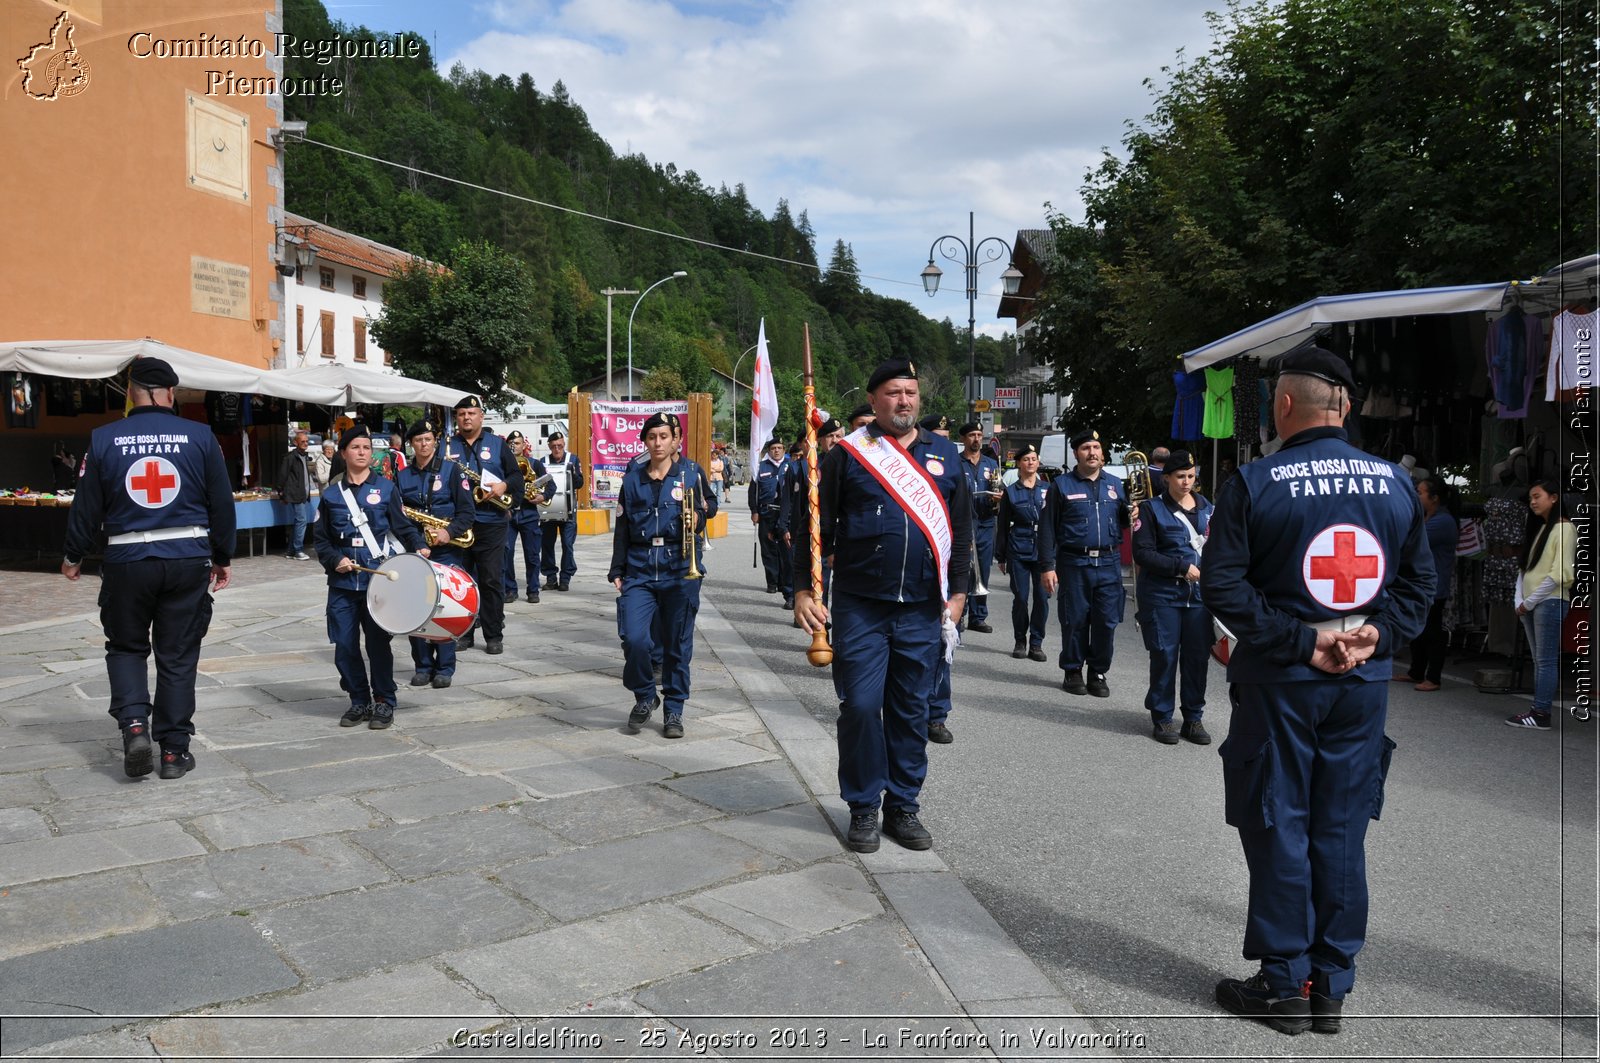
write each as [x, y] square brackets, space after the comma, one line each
[1189, 412]
[1219, 404]
[22, 401]
[1247, 401]
[1510, 347]
[1504, 527]
[1571, 365]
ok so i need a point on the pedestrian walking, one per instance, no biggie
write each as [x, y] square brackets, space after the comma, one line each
[1022, 512]
[297, 483]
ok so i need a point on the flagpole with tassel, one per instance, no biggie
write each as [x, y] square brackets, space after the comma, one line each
[820, 654]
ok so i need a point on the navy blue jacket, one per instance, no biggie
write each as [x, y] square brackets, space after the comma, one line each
[1163, 548]
[1317, 531]
[766, 487]
[984, 508]
[524, 512]
[439, 490]
[1022, 513]
[338, 536]
[1083, 515]
[877, 550]
[647, 546]
[491, 453]
[150, 471]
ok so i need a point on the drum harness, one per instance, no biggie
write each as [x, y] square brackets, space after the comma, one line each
[359, 519]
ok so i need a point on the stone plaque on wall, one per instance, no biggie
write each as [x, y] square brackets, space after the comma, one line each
[221, 289]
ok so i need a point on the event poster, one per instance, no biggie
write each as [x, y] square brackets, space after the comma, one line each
[614, 429]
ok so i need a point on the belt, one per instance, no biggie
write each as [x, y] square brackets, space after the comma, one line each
[156, 535]
[1341, 623]
[1078, 551]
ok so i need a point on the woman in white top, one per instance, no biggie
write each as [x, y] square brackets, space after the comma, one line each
[1541, 596]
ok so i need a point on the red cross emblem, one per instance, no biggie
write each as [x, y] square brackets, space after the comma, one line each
[1344, 566]
[152, 482]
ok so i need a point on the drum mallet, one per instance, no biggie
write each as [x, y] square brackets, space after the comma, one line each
[391, 575]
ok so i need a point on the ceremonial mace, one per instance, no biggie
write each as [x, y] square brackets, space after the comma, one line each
[820, 654]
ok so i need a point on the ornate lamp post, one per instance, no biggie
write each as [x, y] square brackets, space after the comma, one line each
[635, 310]
[968, 257]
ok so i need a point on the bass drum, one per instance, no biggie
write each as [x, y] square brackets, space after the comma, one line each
[561, 506]
[1221, 648]
[423, 599]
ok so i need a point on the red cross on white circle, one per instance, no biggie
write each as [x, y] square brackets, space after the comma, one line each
[1344, 566]
[152, 482]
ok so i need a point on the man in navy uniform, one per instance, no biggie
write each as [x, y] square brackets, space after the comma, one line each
[565, 530]
[1080, 549]
[356, 525]
[766, 512]
[154, 488]
[486, 456]
[435, 486]
[979, 468]
[525, 526]
[900, 562]
[796, 514]
[1319, 565]
[650, 569]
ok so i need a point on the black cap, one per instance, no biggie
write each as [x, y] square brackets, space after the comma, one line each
[1086, 435]
[553, 436]
[470, 402]
[969, 427]
[514, 434]
[423, 427]
[353, 433]
[659, 420]
[894, 369]
[935, 422]
[152, 373]
[864, 410]
[1324, 365]
[773, 442]
[1179, 461]
[1026, 449]
[829, 427]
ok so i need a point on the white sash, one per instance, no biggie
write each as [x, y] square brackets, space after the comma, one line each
[359, 519]
[912, 489]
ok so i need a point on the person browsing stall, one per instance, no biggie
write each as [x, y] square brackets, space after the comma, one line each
[300, 488]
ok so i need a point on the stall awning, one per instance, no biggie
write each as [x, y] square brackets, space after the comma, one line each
[370, 386]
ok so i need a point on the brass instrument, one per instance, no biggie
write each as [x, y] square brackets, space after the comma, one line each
[691, 517]
[428, 520]
[481, 493]
[536, 487]
[1139, 487]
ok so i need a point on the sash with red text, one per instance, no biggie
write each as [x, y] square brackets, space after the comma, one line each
[912, 489]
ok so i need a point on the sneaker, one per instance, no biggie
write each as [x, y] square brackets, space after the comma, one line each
[1287, 1012]
[1327, 1013]
[1073, 683]
[382, 715]
[176, 763]
[981, 627]
[940, 734]
[1020, 650]
[419, 678]
[301, 556]
[494, 646]
[1540, 720]
[1196, 732]
[1035, 653]
[672, 727]
[863, 836]
[355, 714]
[137, 756]
[642, 711]
[905, 828]
[1098, 686]
[440, 682]
[1165, 732]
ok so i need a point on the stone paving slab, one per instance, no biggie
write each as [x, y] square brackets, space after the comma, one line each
[15, 737]
[517, 727]
[745, 789]
[24, 790]
[357, 776]
[102, 811]
[795, 832]
[709, 755]
[242, 880]
[334, 747]
[80, 854]
[409, 804]
[778, 909]
[591, 773]
[467, 841]
[264, 823]
[42, 915]
[22, 824]
[620, 812]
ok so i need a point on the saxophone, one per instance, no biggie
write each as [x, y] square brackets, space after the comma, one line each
[481, 493]
[428, 520]
[532, 485]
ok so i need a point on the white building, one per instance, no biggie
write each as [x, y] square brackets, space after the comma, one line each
[332, 302]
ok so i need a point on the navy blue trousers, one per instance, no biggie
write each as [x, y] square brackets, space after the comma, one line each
[163, 604]
[348, 623]
[437, 658]
[883, 666]
[567, 532]
[529, 535]
[1090, 609]
[1030, 603]
[939, 701]
[1179, 639]
[1303, 771]
[983, 540]
[775, 557]
[658, 615]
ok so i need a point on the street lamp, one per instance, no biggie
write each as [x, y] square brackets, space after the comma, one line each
[608, 293]
[736, 366]
[1010, 281]
[635, 310]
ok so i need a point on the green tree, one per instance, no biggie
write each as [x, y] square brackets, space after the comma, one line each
[662, 383]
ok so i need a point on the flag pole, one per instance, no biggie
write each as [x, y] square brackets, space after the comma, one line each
[820, 653]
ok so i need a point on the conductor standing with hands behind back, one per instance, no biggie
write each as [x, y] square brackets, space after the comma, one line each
[1319, 565]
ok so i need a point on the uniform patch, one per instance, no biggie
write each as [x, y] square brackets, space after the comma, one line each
[152, 482]
[438, 483]
[1111, 492]
[1344, 566]
[677, 493]
[935, 466]
[484, 453]
[1076, 498]
[373, 497]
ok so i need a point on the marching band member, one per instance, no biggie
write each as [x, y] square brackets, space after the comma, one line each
[564, 530]
[433, 485]
[525, 526]
[766, 512]
[981, 471]
[1017, 551]
[484, 456]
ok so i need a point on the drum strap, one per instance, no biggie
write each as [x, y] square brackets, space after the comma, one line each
[358, 517]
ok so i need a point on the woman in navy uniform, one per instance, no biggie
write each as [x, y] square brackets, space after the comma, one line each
[155, 487]
[355, 523]
[1176, 624]
[435, 486]
[524, 527]
[486, 455]
[1022, 511]
[1319, 565]
[979, 468]
[650, 570]
[890, 606]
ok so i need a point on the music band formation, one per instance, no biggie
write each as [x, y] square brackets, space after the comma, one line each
[883, 547]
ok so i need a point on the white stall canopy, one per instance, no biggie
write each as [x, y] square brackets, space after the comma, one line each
[369, 386]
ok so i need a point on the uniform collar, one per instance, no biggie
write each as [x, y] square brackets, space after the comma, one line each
[153, 409]
[923, 435]
[1311, 435]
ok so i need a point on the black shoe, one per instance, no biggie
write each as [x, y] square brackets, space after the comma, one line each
[493, 646]
[863, 836]
[1073, 683]
[905, 828]
[176, 763]
[137, 756]
[1035, 653]
[788, 602]
[1020, 650]
[1196, 732]
[939, 733]
[641, 713]
[440, 682]
[1165, 732]
[772, 588]
[1287, 1012]
[382, 715]
[673, 726]
[563, 586]
[981, 627]
[550, 584]
[1098, 686]
[1327, 1013]
[467, 641]
[533, 597]
[355, 714]
[419, 678]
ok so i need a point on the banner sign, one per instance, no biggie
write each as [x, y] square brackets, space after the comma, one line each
[1008, 398]
[614, 429]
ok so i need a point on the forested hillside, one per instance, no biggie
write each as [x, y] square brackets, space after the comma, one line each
[528, 137]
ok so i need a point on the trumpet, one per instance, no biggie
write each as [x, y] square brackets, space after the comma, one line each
[428, 520]
[691, 516]
[1139, 486]
[481, 493]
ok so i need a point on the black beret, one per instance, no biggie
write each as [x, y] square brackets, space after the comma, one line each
[152, 373]
[864, 410]
[773, 442]
[553, 436]
[894, 369]
[969, 427]
[470, 402]
[936, 422]
[659, 420]
[353, 433]
[829, 427]
[514, 434]
[1314, 361]
[423, 427]
[1085, 435]
[1179, 461]
[1027, 448]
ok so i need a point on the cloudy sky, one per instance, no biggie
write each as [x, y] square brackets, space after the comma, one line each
[887, 120]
